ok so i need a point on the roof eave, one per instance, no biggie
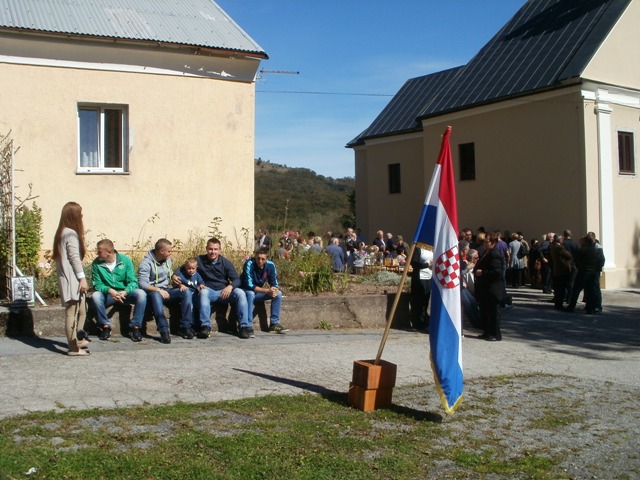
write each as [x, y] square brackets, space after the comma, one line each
[131, 41]
[569, 82]
[361, 140]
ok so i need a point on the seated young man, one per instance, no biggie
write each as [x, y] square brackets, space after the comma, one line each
[115, 281]
[260, 284]
[223, 285]
[154, 275]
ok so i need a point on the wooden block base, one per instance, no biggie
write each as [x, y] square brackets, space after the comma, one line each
[368, 400]
[369, 376]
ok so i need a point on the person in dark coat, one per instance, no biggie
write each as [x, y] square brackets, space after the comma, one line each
[490, 287]
[572, 246]
[545, 262]
[535, 263]
[562, 262]
[589, 261]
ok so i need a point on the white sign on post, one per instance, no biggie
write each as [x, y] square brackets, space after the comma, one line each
[23, 290]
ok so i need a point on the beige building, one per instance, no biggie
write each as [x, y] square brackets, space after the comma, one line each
[143, 113]
[545, 121]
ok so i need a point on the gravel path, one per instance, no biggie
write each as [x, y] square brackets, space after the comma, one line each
[590, 426]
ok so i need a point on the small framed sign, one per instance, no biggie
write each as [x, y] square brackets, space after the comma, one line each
[23, 290]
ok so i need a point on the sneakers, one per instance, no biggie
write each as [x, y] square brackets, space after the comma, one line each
[252, 334]
[165, 337]
[244, 333]
[186, 333]
[105, 332]
[278, 328]
[204, 332]
[136, 336]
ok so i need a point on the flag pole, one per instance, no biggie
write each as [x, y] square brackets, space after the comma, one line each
[394, 306]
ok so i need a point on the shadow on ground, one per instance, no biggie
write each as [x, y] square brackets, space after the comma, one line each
[52, 345]
[341, 397]
[534, 319]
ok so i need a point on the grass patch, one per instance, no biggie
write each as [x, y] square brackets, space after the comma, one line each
[554, 418]
[489, 462]
[302, 437]
[324, 325]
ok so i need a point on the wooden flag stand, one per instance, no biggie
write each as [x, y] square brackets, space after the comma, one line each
[372, 382]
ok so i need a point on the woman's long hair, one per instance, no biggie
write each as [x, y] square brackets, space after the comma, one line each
[71, 217]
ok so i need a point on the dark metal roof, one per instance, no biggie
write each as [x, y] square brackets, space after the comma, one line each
[401, 113]
[545, 45]
[198, 23]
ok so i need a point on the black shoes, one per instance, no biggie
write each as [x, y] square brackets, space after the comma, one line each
[165, 337]
[105, 332]
[186, 333]
[136, 336]
[244, 333]
[423, 327]
[204, 332]
[489, 338]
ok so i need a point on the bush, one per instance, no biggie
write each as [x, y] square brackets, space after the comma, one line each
[28, 238]
[308, 272]
[46, 282]
[383, 277]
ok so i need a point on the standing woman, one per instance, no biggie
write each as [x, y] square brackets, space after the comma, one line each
[516, 261]
[68, 252]
[490, 287]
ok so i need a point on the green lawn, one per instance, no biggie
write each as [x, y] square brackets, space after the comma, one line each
[304, 436]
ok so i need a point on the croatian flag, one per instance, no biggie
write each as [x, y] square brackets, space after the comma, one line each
[438, 229]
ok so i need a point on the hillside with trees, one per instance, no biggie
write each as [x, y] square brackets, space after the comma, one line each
[298, 199]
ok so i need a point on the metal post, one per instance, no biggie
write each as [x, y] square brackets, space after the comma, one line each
[13, 212]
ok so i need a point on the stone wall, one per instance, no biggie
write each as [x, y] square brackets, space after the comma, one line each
[298, 313]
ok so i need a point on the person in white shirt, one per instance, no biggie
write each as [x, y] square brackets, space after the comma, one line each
[421, 263]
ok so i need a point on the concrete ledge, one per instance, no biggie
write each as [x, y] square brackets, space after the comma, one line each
[303, 313]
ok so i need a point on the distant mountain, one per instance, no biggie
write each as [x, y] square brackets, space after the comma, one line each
[298, 199]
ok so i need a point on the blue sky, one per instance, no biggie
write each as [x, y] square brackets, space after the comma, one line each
[352, 57]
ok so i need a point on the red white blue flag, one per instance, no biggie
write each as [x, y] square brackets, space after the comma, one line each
[438, 229]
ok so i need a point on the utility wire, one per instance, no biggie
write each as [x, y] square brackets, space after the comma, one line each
[327, 93]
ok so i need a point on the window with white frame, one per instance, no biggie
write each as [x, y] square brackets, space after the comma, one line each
[102, 139]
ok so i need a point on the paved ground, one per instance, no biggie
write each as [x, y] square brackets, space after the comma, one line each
[36, 375]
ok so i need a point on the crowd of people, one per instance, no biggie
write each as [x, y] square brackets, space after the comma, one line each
[207, 279]
[557, 265]
[349, 251]
[489, 262]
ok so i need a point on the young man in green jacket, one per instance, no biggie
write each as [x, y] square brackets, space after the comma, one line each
[115, 281]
